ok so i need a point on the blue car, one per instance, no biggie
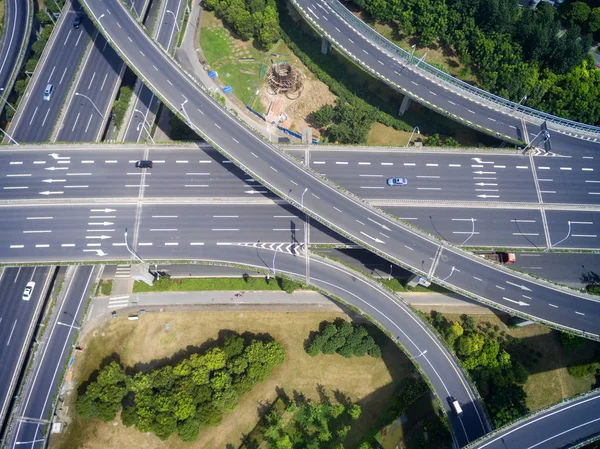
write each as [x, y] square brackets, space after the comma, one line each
[397, 181]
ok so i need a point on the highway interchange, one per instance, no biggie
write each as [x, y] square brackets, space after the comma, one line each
[145, 204]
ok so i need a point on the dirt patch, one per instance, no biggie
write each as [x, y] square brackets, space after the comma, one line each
[386, 135]
[367, 381]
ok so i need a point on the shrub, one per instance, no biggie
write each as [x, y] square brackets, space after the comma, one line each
[581, 371]
[571, 341]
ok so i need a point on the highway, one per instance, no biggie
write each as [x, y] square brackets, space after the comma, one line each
[434, 93]
[146, 104]
[31, 424]
[556, 428]
[16, 14]
[17, 323]
[36, 117]
[98, 80]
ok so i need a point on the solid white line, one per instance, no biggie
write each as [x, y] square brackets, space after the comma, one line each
[11, 333]
[40, 218]
[15, 188]
[36, 232]
[19, 175]
[583, 222]
[584, 235]
[371, 176]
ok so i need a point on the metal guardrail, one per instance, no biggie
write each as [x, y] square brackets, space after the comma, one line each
[510, 106]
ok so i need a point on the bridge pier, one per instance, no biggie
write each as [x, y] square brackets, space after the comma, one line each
[404, 105]
[325, 45]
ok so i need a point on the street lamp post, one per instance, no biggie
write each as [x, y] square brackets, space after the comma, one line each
[9, 136]
[174, 19]
[274, 256]
[520, 101]
[390, 276]
[472, 232]
[559, 242]
[6, 101]
[90, 100]
[145, 129]
[130, 250]
[143, 117]
[451, 272]
[302, 198]
[411, 135]
[414, 47]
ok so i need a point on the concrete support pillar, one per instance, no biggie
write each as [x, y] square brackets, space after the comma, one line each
[325, 45]
[404, 106]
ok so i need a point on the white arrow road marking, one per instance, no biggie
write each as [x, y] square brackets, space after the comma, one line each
[56, 168]
[103, 210]
[520, 303]
[101, 237]
[106, 223]
[522, 287]
[98, 252]
[54, 180]
[55, 156]
[488, 196]
[484, 172]
[479, 161]
[372, 238]
[485, 184]
[379, 224]
[48, 192]
[252, 192]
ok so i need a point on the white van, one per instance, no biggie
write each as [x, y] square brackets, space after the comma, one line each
[133, 317]
[456, 408]
[48, 91]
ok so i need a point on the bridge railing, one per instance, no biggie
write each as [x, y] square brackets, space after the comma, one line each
[365, 29]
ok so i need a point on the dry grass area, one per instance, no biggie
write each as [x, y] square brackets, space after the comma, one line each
[147, 341]
[551, 382]
[386, 135]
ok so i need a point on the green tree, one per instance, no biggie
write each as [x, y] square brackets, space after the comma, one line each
[269, 31]
[581, 371]
[323, 116]
[433, 141]
[579, 13]
[188, 430]
[570, 341]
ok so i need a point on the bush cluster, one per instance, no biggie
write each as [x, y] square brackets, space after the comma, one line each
[120, 106]
[344, 338]
[581, 371]
[182, 398]
[487, 359]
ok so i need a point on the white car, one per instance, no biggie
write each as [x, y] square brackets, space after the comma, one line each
[28, 291]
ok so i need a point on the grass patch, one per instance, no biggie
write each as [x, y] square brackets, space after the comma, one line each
[212, 284]
[549, 381]
[106, 287]
[367, 381]
[223, 53]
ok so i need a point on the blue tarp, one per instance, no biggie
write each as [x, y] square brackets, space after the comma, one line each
[227, 89]
[212, 74]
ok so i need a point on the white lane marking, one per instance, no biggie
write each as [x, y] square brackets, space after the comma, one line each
[92, 80]
[552, 305]
[196, 244]
[43, 245]
[472, 112]
[196, 185]
[371, 176]
[432, 93]
[182, 162]
[364, 163]
[501, 288]
[16, 163]
[293, 182]
[145, 244]
[337, 209]
[271, 167]
[429, 188]
[522, 221]
[11, 333]
[15, 188]
[360, 222]
[409, 164]
[341, 163]
[351, 40]
[579, 313]
[371, 187]
[155, 68]
[171, 244]
[522, 166]
[481, 280]
[40, 218]
[224, 229]
[164, 216]
[451, 102]
[524, 233]
[492, 119]
[38, 162]
[414, 83]
[454, 165]
[103, 82]
[67, 245]
[235, 140]
[163, 230]
[566, 168]
[319, 162]
[37, 232]
[543, 168]
[587, 169]
[431, 165]
[432, 177]
[33, 116]
[387, 163]
[315, 196]
[169, 81]
[17, 246]
[110, 162]
[18, 175]
[584, 235]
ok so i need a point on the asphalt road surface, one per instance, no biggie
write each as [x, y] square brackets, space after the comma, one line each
[16, 14]
[146, 102]
[16, 317]
[31, 426]
[35, 120]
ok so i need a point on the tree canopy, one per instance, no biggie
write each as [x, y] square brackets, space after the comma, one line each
[344, 338]
[181, 398]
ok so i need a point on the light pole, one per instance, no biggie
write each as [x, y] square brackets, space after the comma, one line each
[520, 101]
[302, 198]
[133, 9]
[472, 232]
[146, 129]
[390, 276]
[451, 271]
[9, 136]
[143, 117]
[414, 47]
[411, 135]
[130, 250]
[174, 19]
[6, 101]
[422, 353]
[274, 256]
[421, 60]
[90, 100]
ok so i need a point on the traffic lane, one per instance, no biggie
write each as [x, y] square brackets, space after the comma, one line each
[574, 229]
[82, 122]
[568, 180]
[574, 269]
[47, 377]
[198, 173]
[48, 233]
[16, 315]
[554, 429]
[169, 23]
[430, 176]
[513, 293]
[39, 116]
[71, 174]
[16, 16]
[571, 146]
[393, 315]
[477, 227]
[406, 76]
[175, 225]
